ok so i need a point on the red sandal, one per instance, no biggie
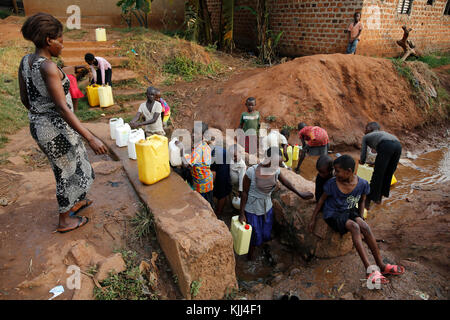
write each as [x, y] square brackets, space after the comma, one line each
[374, 276]
[394, 269]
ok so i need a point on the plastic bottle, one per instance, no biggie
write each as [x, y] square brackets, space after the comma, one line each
[174, 153]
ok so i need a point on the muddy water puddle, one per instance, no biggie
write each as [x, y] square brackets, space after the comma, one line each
[425, 172]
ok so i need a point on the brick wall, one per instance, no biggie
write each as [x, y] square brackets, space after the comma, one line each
[431, 29]
[318, 26]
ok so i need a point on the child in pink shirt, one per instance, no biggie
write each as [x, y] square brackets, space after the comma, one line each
[354, 31]
[101, 69]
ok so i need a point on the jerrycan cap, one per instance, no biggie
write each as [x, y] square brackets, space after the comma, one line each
[142, 141]
[247, 226]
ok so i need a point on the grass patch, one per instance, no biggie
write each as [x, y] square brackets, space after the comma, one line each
[189, 69]
[86, 113]
[130, 97]
[435, 60]
[128, 83]
[143, 223]
[405, 71]
[195, 287]
[271, 118]
[5, 14]
[75, 34]
[127, 285]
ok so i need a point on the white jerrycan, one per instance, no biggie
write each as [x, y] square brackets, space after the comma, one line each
[122, 133]
[174, 153]
[113, 123]
[135, 136]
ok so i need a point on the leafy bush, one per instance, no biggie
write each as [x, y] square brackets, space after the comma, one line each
[187, 68]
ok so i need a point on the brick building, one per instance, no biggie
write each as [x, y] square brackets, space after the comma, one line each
[318, 26]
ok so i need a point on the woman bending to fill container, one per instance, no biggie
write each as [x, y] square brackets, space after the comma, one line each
[44, 91]
[256, 204]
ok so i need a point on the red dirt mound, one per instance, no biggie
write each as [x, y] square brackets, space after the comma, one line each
[338, 92]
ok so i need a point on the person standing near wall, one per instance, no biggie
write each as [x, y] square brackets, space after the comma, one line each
[354, 32]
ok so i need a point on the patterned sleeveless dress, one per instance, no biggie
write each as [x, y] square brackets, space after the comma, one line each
[62, 145]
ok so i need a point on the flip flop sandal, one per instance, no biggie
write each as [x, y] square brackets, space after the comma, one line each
[394, 269]
[87, 202]
[80, 224]
[377, 275]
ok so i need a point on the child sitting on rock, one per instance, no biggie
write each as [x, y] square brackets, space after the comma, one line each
[343, 206]
[151, 110]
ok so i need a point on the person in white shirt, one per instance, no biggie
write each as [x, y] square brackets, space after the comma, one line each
[277, 139]
[237, 168]
[151, 110]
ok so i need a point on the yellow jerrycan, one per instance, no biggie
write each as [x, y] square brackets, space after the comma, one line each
[366, 172]
[296, 153]
[289, 153]
[153, 159]
[242, 234]
[92, 95]
[105, 96]
[100, 34]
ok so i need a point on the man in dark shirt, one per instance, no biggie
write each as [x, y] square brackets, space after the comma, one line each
[389, 150]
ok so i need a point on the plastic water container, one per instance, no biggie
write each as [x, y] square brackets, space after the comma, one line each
[105, 96]
[289, 153]
[364, 171]
[242, 234]
[174, 153]
[236, 202]
[135, 136]
[92, 95]
[296, 153]
[122, 134]
[113, 123]
[153, 159]
[100, 34]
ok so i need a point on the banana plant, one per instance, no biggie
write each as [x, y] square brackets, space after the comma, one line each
[227, 24]
[140, 9]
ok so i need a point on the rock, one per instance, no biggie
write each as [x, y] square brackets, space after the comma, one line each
[84, 254]
[294, 272]
[278, 278]
[86, 291]
[347, 296]
[106, 167]
[113, 264]
[4, 202]
[293, 215]
[17, 160]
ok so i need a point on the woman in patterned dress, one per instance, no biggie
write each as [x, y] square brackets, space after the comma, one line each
[44, 91]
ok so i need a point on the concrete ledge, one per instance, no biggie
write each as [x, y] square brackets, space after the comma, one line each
[198, 246]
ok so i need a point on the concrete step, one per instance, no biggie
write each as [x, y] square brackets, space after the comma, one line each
[77, 61]
[80, 52]
[90, 44]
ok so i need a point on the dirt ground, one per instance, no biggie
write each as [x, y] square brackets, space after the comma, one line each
[34, 259]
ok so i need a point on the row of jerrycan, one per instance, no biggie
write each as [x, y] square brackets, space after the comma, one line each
[99, 96]
[152, 154]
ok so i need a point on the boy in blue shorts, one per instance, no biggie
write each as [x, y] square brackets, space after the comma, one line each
[343, 206]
